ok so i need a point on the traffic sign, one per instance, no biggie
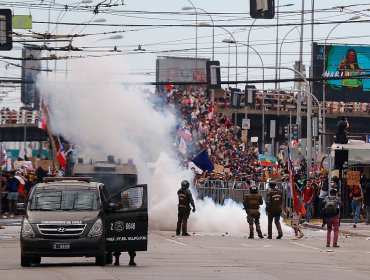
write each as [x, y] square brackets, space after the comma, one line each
[246, 123]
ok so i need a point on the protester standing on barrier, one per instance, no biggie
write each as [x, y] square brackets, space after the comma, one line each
[252, 202]
[185, 200]
[273, 209]
[331, 206]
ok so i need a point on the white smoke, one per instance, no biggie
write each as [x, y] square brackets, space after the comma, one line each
[94, 111]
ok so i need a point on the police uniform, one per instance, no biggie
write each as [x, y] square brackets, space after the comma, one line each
[185, 200]
[252, 202]
[273, 210]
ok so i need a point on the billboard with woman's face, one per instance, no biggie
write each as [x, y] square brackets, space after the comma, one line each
[349, 65]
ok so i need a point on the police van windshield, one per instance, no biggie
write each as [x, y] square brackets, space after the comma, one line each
[64, 200]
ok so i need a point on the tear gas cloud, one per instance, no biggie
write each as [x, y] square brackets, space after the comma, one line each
[94, 111]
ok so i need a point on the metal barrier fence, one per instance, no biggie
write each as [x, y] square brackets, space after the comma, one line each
[219, 191]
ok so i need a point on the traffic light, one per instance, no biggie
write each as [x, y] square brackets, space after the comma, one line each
[235, 98]
[213, 75]
[294, 131]
[262, 9]
[321, 126]
[250, 94]
[286, 132]
[6, 39]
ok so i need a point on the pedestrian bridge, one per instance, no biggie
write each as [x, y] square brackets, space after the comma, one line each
[22, 125]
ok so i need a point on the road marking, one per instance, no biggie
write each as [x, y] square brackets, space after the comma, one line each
[176, 242]
[306, 246]
[267, 246]
[249, 245]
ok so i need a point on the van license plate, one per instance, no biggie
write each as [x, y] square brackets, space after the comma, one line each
[61, 246]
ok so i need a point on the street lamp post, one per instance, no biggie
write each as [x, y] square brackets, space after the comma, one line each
[196, 31]
[263, 98]
[213, 31]
[279, 65]
[233, 41]
[323, 84]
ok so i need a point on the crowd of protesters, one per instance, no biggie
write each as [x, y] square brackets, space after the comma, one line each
[202, 127]
[22, 115]
[17, 184]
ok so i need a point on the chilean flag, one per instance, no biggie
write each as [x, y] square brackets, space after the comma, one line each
[61, 158]
[41, 123]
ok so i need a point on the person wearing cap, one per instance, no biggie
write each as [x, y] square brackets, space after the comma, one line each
[332, 216]
[274, 200]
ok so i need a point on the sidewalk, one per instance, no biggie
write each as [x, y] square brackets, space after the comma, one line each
[346, 228]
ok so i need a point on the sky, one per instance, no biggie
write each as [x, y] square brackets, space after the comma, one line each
[175, 40]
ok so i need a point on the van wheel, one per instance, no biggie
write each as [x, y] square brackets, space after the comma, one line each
[100, 260]
[36, 260]
[25, 261]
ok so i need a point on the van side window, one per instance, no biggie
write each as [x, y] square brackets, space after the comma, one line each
[131, 199]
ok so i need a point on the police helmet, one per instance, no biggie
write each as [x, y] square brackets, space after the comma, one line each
[272, 184]
[253, 189]
[185, 184]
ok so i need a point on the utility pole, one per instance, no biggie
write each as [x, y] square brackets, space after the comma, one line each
[299, 104]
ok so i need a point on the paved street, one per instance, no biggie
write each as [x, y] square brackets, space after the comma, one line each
[206, 256]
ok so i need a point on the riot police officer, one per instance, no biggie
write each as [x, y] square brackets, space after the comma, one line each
[252, 202]
[273, 209]
[185, 200]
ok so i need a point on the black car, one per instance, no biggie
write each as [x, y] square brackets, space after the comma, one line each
[73, 217]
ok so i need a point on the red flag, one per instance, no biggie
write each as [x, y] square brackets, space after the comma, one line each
[169, 87]
[61, 158]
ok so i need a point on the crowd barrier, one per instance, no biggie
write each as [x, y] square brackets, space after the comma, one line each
[219, 191]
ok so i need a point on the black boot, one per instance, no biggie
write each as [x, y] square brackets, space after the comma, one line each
[116, 256]
[280, 235]
[259, 232]
[251, 232]
[132, 255]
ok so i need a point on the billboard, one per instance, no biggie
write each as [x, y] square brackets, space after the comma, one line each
[347, 61]
[181, 69]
